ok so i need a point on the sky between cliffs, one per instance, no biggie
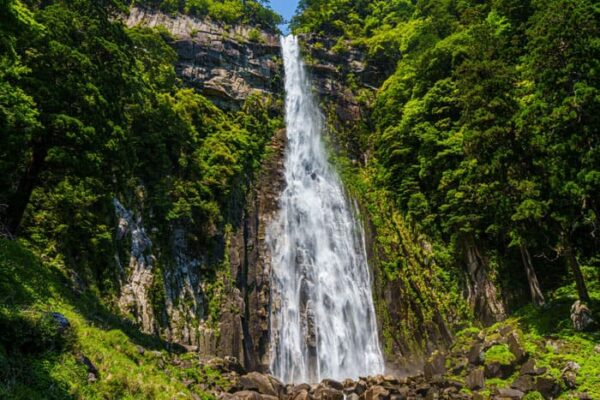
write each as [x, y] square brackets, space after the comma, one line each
[286, 8]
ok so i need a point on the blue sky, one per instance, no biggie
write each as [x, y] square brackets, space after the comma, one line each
[286, 8]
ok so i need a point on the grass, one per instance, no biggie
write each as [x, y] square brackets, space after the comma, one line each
[38, 361]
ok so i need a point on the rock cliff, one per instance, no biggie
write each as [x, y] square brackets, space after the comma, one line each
[224, 63]
[184, 301]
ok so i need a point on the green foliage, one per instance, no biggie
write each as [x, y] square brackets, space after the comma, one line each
[254, 12]
[486, 129]
[38, 360]
[499, 353]
[533, 396]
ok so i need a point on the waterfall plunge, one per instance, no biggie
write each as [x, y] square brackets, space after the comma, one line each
[322, 315]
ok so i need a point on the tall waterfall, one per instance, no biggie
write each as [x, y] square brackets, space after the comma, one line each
[322, 315]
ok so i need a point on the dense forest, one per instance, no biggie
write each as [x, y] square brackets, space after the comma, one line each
[486, 131]
[476, 164]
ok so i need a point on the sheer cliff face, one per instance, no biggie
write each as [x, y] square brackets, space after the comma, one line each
[226, 65]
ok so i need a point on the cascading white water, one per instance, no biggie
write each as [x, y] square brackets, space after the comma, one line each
[322, 315]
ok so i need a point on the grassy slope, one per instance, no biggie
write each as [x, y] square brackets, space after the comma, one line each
[37, 362]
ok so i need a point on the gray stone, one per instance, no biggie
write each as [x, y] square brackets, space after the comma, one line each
[569, 374]
[510, 394]
[333, 384]
[259, 383]
[581, 316]
[326, 393]
[516, 346]
[247, 395]
[475, 354]
[435, 365]
[377, 393]
[476, 379]
[547, 386]
[529, 368]
[524, 383]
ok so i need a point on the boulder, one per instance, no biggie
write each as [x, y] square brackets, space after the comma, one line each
[547, 386]
[529, 368]
[569, 375]
[476, 379]
[475, 354]
[233, 365]
[326, 393]
[278, 386]
[247, 395]
[333, 384]
[497, 370]
[516, 346]
[581, 316]
[510, 394]
[300, 395]
[524, 383]
[435, 366]
[377, 393]
[259, 383]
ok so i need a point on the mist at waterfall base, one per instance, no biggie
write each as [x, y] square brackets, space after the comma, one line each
[322, 314]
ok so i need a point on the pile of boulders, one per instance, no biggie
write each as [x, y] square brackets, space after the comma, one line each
[491, 364]
[255, 386]
[499, 355]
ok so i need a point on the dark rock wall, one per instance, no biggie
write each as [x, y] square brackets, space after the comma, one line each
[226, 64]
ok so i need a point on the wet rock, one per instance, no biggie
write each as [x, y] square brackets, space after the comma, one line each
[333, 384]
[247, 395]
[301, 387]
[509, 394]
[377, 393]
[326, 393]
[259, 383]
[569, 375]
[476, 379]
[581, 316]
[435, 366]
[529, 368]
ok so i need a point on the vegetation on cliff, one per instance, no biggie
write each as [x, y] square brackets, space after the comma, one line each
[90, 112]
[485, 132]
[252, 12]
[475, 161]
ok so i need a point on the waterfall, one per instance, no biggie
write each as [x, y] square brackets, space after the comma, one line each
[322, 315]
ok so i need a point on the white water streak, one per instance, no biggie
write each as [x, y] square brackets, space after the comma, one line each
[322, 316]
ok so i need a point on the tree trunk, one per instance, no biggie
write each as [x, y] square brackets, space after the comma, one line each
[482, 293]
[534, 286]
[19, 201]
[577, 274]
